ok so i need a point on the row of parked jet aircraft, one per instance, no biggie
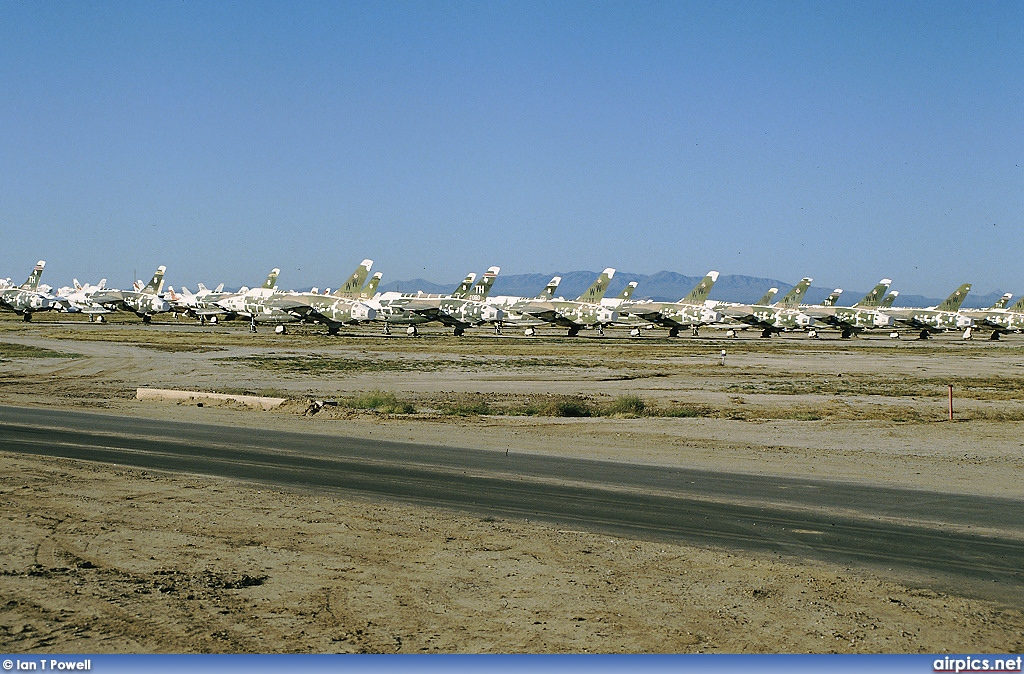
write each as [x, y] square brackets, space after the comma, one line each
[470, 304]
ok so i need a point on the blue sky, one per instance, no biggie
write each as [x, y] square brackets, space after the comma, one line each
[840, 140]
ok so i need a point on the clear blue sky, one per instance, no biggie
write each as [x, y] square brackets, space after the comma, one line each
[840, 140]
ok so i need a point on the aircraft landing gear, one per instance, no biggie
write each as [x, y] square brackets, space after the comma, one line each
[332, 330]
[696, 331]
[459, 332]
[813, 334]
[146, 318]
[635, 332]
[412, 331]
[600, 330]
[847, 333]
[27, 317]
[280, 329]
[994, 337]
[572, 332]
[387, 328]
[529, 332]
[252, 324]
[673, 332]
[730, 333]
[766, 333]
[968, 334]
[924, 335]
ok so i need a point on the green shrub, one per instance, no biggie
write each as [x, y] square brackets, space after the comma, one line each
[629, 406]
[567, 407]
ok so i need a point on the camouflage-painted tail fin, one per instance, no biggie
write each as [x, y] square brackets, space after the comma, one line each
[596, 291]
[1001, 302]
[352, 287]
[889, 299]
[953, 302]
[1018, 306]
[156, 284]
[796, 294]
[465, 286]
[874, 298]
[700, 292]
[549, 289]
[370, 289]
[481, 290]
[767, 298]
[627, 292]
[831, 300]
[33, 279]
[271, 279]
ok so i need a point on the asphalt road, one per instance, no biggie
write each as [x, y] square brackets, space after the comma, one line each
[971, 544]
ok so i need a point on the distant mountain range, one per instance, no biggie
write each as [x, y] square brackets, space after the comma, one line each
[668, 286]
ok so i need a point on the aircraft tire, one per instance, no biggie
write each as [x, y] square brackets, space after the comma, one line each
[766, 334]
[27, 317]
[924, 335]
[459, 332]
[673, 332]
[572, 332]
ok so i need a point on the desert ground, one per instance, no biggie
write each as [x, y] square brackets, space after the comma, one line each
[105, 558]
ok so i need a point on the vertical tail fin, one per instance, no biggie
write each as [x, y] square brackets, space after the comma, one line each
[831, 300]
[597, 290]
[482, 289]
[549, 289]
[889, 299]
[354, 284]
[465, 286]
[1002, 302]
[767, 298]
[370, 288]
[271, 279]
[700, 292]
[874, 298]
[33, 279]
[953, 302]
[627, 292]
[156, 284]
[796, 294]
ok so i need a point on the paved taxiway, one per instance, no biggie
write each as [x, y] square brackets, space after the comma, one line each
[972, 544]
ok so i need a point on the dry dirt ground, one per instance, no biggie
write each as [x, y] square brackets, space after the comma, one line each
[100, 558]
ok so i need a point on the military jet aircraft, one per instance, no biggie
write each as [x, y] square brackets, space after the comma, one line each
[464, 308]
[345, 306]
[1000, 318]
[201, 305]
[80, 299]
[510, 307]
[945, 316]
[28, 298]
[773, 318]
[144, 303]
[585, 311]
[252, 303]
[861, 316]
[689, 312]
